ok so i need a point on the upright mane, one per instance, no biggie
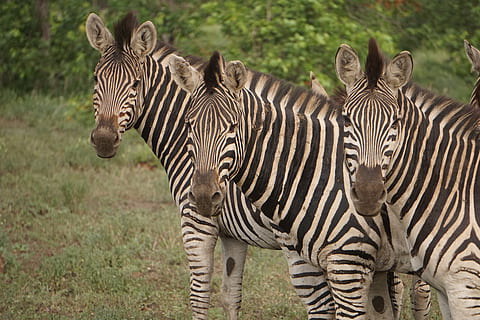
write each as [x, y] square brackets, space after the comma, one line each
[213, 71]
[374, 64]
[124, 29]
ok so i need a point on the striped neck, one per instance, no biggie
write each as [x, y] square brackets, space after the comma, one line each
[438, 141]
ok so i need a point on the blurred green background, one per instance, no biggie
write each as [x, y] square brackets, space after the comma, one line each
[44, 45]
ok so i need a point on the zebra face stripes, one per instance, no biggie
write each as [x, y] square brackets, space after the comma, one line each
[213, 124]
[371, 121]
[118, 80]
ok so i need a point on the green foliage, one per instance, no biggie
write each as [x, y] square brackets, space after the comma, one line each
[289, 40]
[63, 62]
[284, 38]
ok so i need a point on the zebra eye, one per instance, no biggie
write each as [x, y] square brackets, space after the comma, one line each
[232, 127]
[346, 121]
[395, 123]
[135, 84]
[95, 78]
[189, 124]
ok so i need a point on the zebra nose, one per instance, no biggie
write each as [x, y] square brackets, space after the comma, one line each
[206, 194]
[105, 141]
[368, 192]
[217, 198]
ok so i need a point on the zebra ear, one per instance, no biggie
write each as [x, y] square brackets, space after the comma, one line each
[399, 70]
[473, 55]
[97, 34]
[316, 86]
[144, 39]
[347, 65]
[235, 76]
[186, 76]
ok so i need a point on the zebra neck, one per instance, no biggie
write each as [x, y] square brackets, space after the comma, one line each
[475, 98]
[161, 122]
[436, 170]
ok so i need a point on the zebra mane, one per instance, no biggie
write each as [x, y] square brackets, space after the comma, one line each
[475, 99]
[213, 71]
[123, 30]
[374, 64]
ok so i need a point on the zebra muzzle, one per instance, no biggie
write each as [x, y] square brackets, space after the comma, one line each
[206, 194]
[368, 191]
[105, 141]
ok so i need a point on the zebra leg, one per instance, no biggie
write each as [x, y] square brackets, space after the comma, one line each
[381, 299]
[420, 298]
[234, 253]
[311, 286]
[444, 307]
[396, 288]
[199, 238]
[349, 285]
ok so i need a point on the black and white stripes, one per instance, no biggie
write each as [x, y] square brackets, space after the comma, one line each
[293, 170]
[432, 182]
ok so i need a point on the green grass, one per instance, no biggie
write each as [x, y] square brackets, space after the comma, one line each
[86, 238]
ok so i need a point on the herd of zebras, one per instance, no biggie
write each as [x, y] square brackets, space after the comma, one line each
[379, 179]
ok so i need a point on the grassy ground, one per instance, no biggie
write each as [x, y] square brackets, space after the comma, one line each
[86, 238]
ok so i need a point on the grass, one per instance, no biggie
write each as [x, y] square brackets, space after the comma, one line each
[86, 238]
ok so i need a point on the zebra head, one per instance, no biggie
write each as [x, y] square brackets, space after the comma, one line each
[372, 117]
[214, 121]
[118, 78]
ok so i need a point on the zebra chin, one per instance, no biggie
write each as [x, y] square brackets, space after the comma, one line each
[367, 209]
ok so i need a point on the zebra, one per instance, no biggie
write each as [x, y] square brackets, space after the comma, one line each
[287, 159]
[473, 55]
[134, 89]
[420, 295]
[420, 152]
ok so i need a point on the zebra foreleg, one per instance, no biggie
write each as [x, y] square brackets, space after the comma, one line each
[311, 286]
[443, 304]
[396, 288]
[382, 301]
[234, 253]
[349, 285]
[420, 298]
[199, 238]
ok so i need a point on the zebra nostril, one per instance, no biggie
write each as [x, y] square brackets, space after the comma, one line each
[117, 139]
[191, 197]
[92, 141]
[217, 197]
[383, 196]
[354, 194]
